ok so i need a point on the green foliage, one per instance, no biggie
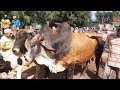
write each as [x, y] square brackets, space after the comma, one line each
[106, 17]
[74, 18]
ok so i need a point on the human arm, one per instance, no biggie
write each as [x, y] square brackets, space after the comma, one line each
[5, 44]
[8, 23]
[19, 23]
[12, 22]
[4, 47]
[2, 23]
[98, 35]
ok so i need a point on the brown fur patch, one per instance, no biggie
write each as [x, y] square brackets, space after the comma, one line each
[82, 49]
[21, 30]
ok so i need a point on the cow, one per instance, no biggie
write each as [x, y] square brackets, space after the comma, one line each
[16, 58]
[62, 50]
[98, 52]
[19, 48]
[10, 63]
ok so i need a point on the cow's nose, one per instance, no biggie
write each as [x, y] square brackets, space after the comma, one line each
[15, 50]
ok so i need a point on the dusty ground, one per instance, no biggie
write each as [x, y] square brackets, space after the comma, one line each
[29, 72]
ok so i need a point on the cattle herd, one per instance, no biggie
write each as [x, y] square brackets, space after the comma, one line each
[57, 50]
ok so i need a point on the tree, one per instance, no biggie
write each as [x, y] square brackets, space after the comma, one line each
[74, 18]
[104, 17]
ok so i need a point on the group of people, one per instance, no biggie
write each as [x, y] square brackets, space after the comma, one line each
[6, 33]
[7, 23]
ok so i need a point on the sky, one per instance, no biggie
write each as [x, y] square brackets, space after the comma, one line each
[93, 15]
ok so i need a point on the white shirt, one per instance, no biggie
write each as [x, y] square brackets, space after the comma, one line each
[7, 42]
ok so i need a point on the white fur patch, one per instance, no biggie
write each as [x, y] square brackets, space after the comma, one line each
[50, 63]
[4, 75]
[19, 70]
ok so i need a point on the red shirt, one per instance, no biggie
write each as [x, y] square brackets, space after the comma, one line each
[104, 29]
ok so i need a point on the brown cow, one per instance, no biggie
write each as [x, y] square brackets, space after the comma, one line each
[65, 48]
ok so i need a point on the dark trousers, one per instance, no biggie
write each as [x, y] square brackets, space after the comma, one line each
[2, 62]
[108, 71]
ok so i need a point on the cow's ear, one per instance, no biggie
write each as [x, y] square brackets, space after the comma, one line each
[40, 38]
[49, 47]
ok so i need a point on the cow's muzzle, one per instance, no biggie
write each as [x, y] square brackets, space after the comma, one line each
[15, 50]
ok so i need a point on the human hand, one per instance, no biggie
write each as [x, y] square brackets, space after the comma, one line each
[17, 28]
[88, 34]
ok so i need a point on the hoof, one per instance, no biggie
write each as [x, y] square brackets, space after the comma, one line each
[96, 76]
[46, 78]
[4, 75]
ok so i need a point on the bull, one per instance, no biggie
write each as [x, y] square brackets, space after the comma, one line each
[61, 50]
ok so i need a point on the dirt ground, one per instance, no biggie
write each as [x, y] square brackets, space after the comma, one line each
[29, 72]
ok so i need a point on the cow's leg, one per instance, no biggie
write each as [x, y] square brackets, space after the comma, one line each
[97, 62]
[118, 73]
[102, 63]
[19, 69]
[84, 69]
[47, 72]
[19, 72]
[37, 71]
[70, 71]
[98, 55]
[12, 74]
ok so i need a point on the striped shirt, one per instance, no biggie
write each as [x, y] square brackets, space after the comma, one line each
[114, 51]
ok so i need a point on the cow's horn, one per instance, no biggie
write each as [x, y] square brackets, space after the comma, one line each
[47, 46]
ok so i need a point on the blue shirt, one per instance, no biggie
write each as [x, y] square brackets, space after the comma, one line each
[16, 22]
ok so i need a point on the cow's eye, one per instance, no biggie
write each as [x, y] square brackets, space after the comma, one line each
[33, 45]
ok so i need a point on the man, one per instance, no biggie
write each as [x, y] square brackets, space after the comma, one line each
[5, 23]
[104, 28]
[111, 27]
[5, 46]
[15, 25]
[6, 42]
[47, 22]
[113, 62]
[16, 22]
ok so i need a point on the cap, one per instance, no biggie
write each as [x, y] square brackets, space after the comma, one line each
[5, 15]
[14, 17]
[7, 30]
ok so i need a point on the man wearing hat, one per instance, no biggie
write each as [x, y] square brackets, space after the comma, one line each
[113, 60]
[5, 47]
[16, 22]
[6, 41]
[6, 44]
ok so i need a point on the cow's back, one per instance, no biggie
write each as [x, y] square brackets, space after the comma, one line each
[82, 49]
